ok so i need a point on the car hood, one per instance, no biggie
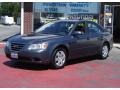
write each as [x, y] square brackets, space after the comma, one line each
[34, 38]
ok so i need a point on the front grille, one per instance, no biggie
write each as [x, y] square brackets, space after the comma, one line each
[16, 46]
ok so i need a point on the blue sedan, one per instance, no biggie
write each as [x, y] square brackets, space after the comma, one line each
[56, 42]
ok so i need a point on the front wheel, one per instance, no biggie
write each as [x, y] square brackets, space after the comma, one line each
[104, 51]
[59, 58]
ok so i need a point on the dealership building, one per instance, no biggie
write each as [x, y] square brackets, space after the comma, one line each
[106, 14]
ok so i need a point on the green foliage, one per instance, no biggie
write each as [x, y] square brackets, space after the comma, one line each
[10, 9]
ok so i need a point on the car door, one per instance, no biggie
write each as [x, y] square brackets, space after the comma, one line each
[79, 44]
[95, 37]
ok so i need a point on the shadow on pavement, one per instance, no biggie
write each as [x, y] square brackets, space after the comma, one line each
[81, 60]
[26, 66]
[37, 67]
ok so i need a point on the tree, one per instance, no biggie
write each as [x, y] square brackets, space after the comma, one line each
[10, 9]
[16, 12]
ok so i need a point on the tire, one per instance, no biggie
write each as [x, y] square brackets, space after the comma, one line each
[104, 52]
[59, 57]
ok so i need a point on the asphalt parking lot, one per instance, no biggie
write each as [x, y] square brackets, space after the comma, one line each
[8, 31]
[84, 72]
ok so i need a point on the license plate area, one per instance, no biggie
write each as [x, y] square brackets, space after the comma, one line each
[14, 55]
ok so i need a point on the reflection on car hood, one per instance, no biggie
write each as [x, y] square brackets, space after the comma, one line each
[33, 38]
[38, 37]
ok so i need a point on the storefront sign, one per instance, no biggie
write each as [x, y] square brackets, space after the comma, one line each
[68, 8]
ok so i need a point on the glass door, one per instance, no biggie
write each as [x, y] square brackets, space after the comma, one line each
[108, 18]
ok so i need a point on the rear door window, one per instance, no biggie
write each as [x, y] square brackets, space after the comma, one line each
[93, 27]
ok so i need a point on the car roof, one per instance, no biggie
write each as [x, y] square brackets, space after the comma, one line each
[74, 21]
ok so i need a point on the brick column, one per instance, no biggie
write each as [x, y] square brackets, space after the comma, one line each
[28, 17]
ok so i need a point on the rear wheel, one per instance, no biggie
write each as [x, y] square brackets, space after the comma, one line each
[59, 58]
[104, 51]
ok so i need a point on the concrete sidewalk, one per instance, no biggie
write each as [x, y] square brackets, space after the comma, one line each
[8, 31]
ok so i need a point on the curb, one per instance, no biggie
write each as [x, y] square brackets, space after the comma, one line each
[116, 45]
[2, 44]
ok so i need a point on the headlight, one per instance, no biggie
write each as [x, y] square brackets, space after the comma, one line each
[40, 46]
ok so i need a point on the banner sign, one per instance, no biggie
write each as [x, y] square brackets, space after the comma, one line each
[68, 7]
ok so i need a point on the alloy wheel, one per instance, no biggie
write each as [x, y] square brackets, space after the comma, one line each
[105, 51]
[60, 58]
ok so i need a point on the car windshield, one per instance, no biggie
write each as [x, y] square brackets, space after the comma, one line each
[61, 27]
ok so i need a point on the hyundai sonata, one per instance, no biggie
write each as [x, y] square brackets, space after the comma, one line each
[56, 42]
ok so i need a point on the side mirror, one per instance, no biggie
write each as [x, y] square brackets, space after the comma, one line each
[32, 32]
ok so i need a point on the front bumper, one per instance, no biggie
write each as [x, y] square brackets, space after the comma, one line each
[29, 56]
